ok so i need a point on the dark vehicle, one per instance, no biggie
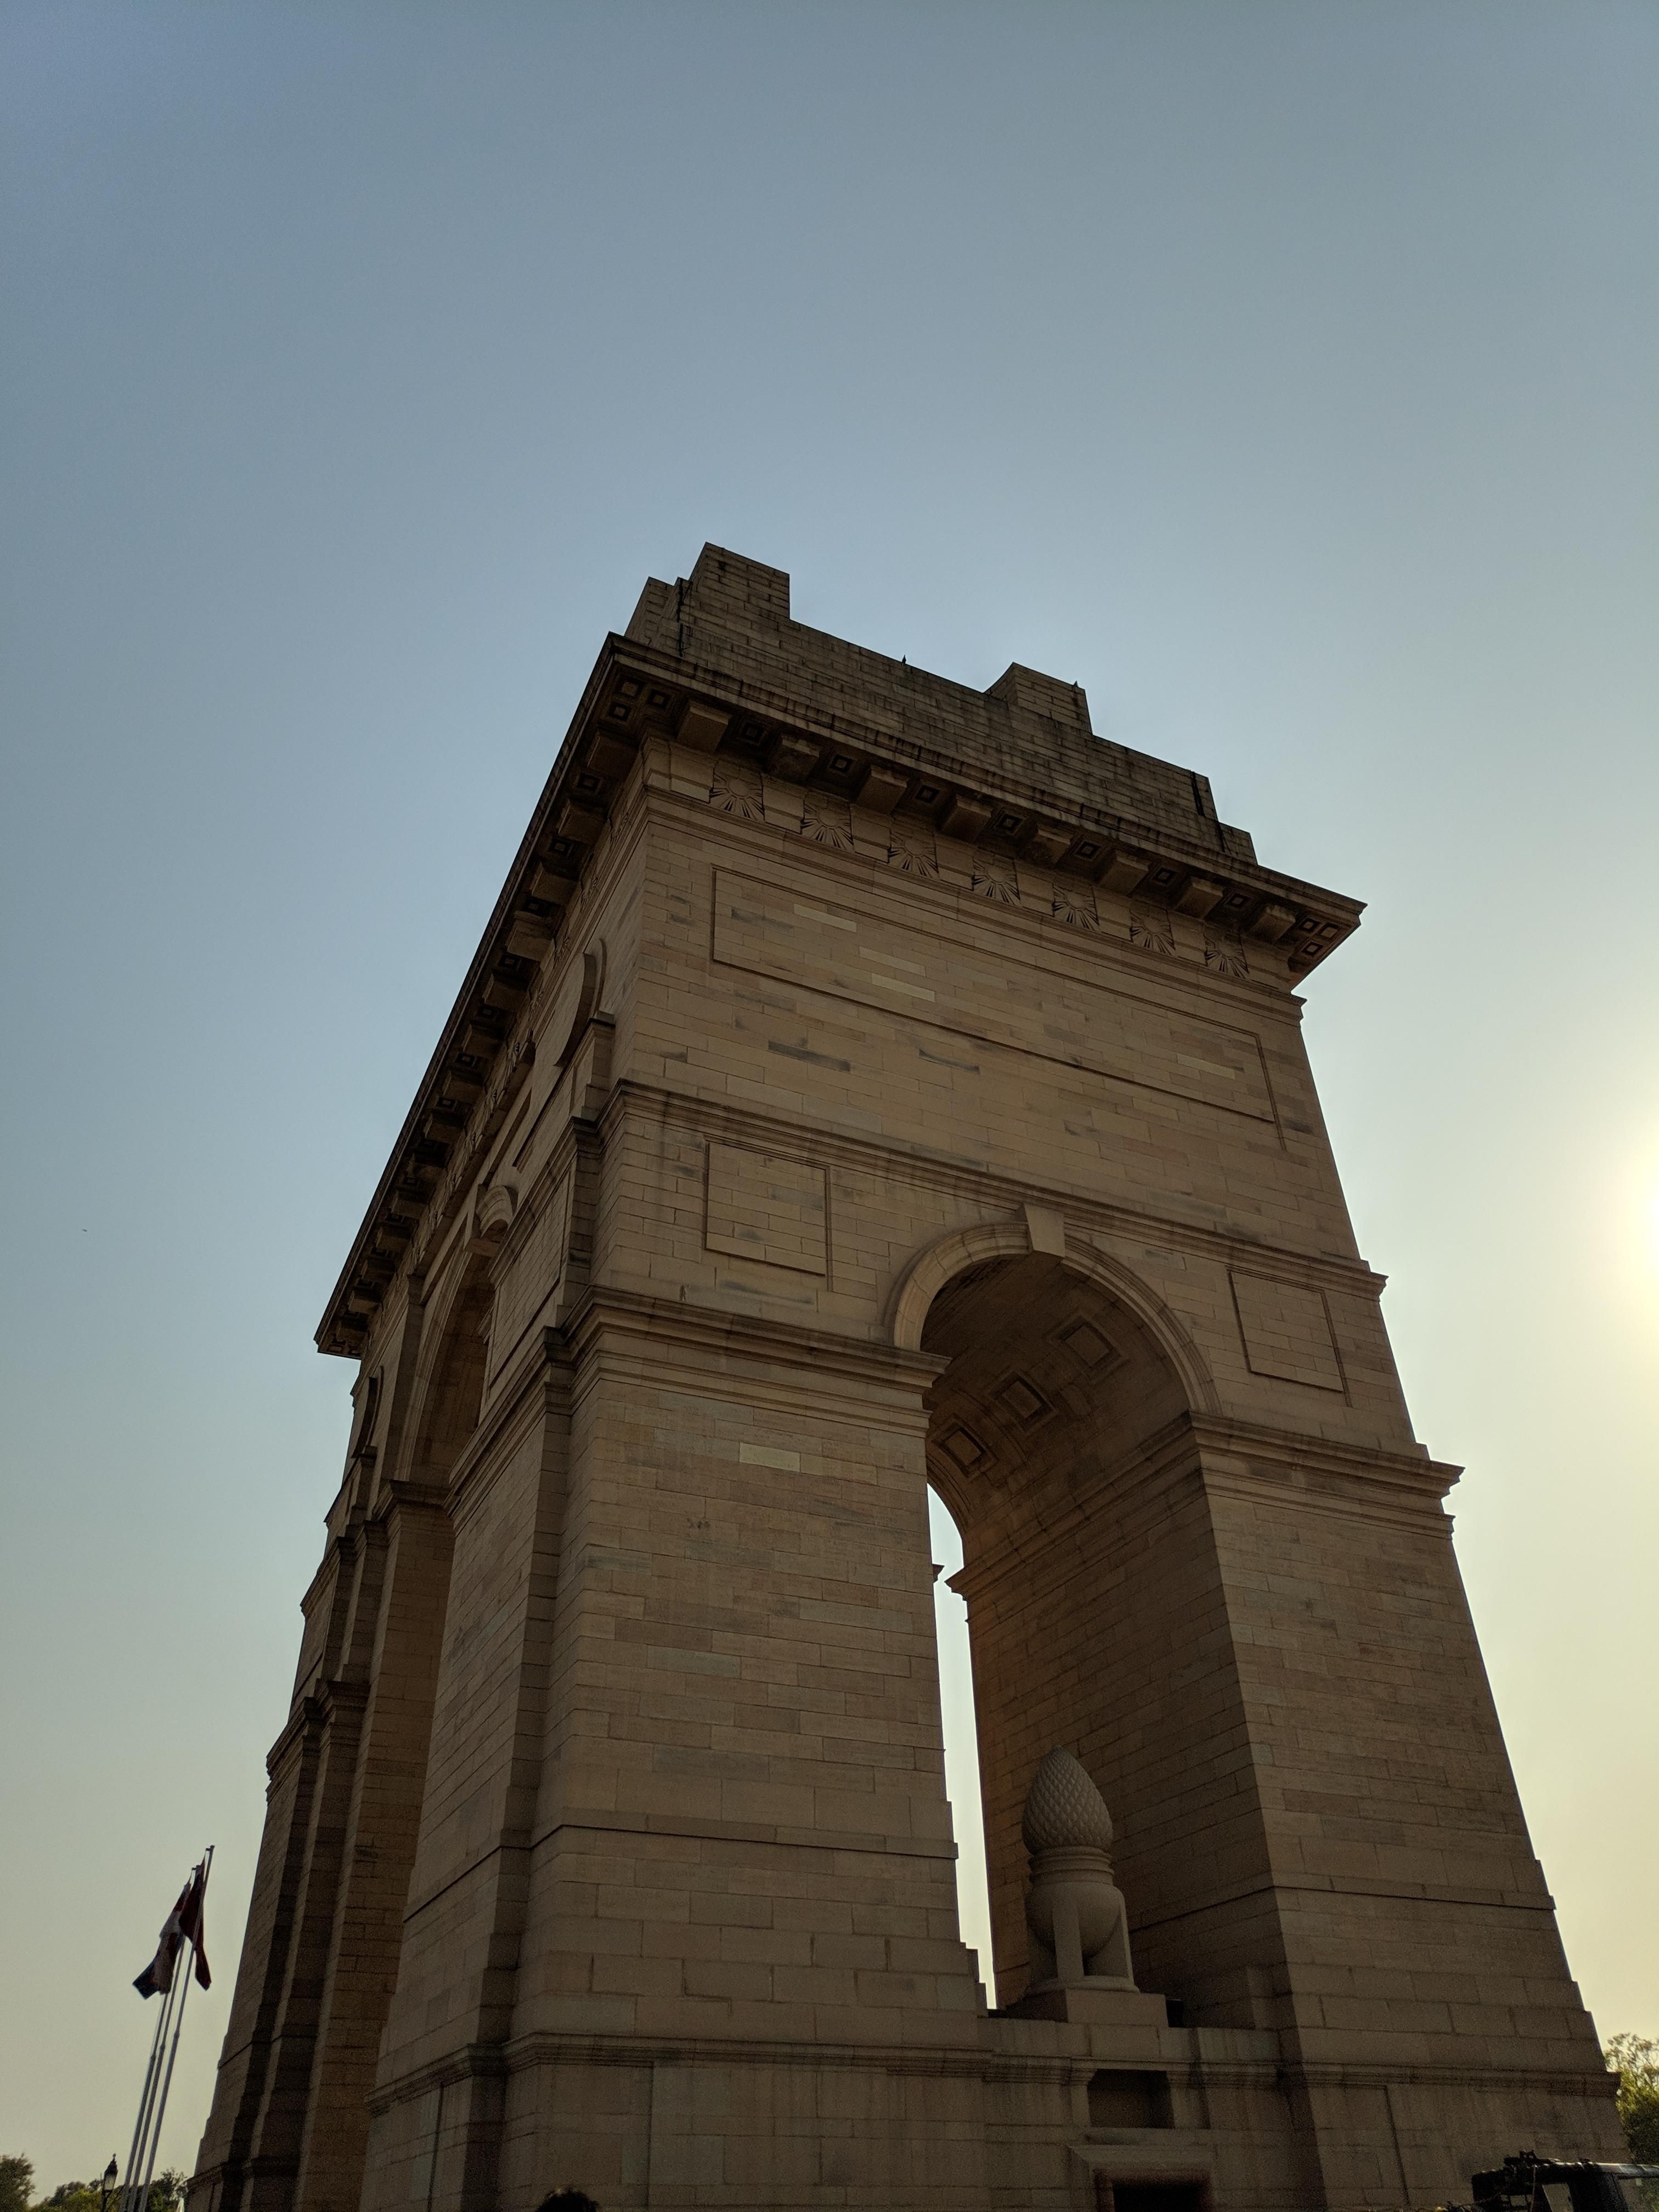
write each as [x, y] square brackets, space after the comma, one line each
[1527, 2183]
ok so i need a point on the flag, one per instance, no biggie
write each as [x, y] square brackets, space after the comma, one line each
[184, 1925]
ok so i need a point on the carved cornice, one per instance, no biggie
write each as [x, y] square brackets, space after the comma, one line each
[1245, 1455]
[864, 1842]
[987, 2051]
[1224, 1457]
[835, 752]
[1036, 916]
[969, 2058]
[638, 691]
[1498, 2080]
[831, 1374]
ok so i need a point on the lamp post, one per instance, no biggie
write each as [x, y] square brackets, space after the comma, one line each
[106, 2185]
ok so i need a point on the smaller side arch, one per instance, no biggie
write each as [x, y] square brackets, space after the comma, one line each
[1038, 1229]
[450, 1366]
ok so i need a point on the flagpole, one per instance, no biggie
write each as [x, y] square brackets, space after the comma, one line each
[152, 2105]
[132, 2195]
[138, 2125]
[162, 2100]
[183, 1973]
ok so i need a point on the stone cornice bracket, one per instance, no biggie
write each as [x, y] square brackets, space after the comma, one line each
[493, 1209]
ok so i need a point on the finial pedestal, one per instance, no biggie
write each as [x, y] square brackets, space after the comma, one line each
[1074, 1911]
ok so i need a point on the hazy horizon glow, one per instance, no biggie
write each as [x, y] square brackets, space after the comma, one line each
[1283, 372]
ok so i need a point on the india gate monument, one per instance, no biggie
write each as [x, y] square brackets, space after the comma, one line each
[867, 1083]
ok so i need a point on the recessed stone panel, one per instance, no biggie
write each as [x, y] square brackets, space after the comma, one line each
[1286, 1330]
[532, 1272]
[767, 1206]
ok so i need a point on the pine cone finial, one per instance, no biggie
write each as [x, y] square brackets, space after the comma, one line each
[1063, 1809]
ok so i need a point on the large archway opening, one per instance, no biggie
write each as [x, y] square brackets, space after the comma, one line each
[1059, 1442]
[955, 1699]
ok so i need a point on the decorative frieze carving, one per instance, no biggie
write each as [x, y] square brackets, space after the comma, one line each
[1223, 951]
[1074, 902]
[738, 789]
[994, 878]
[913, 848]
[1151, 928]
[827, 821]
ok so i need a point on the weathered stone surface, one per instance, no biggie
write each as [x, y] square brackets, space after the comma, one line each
[1064, 1808]
[855, 1130]
[1075, 1915]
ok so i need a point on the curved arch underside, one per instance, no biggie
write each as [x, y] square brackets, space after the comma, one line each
[1037, 1232]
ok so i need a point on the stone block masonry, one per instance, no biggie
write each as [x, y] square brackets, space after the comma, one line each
[866, 1082]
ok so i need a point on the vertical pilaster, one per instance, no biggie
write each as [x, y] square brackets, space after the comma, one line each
[378, 1848]
[459, 1933]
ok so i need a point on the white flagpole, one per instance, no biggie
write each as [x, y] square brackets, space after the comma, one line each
[131, 2195]
[147, 2132]
[183, 1973]
[144, 2104]
[161, 2100]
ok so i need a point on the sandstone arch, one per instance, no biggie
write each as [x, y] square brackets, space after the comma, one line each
[1035, 1229]
[1060, 1438]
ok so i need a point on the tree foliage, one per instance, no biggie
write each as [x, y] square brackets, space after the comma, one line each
[167, 2191]
[1635, 2060]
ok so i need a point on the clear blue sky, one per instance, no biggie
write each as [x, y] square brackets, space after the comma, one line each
[1284, 373]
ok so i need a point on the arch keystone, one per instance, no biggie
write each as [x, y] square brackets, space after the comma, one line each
[1047, 1231]
[1042, 1229]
